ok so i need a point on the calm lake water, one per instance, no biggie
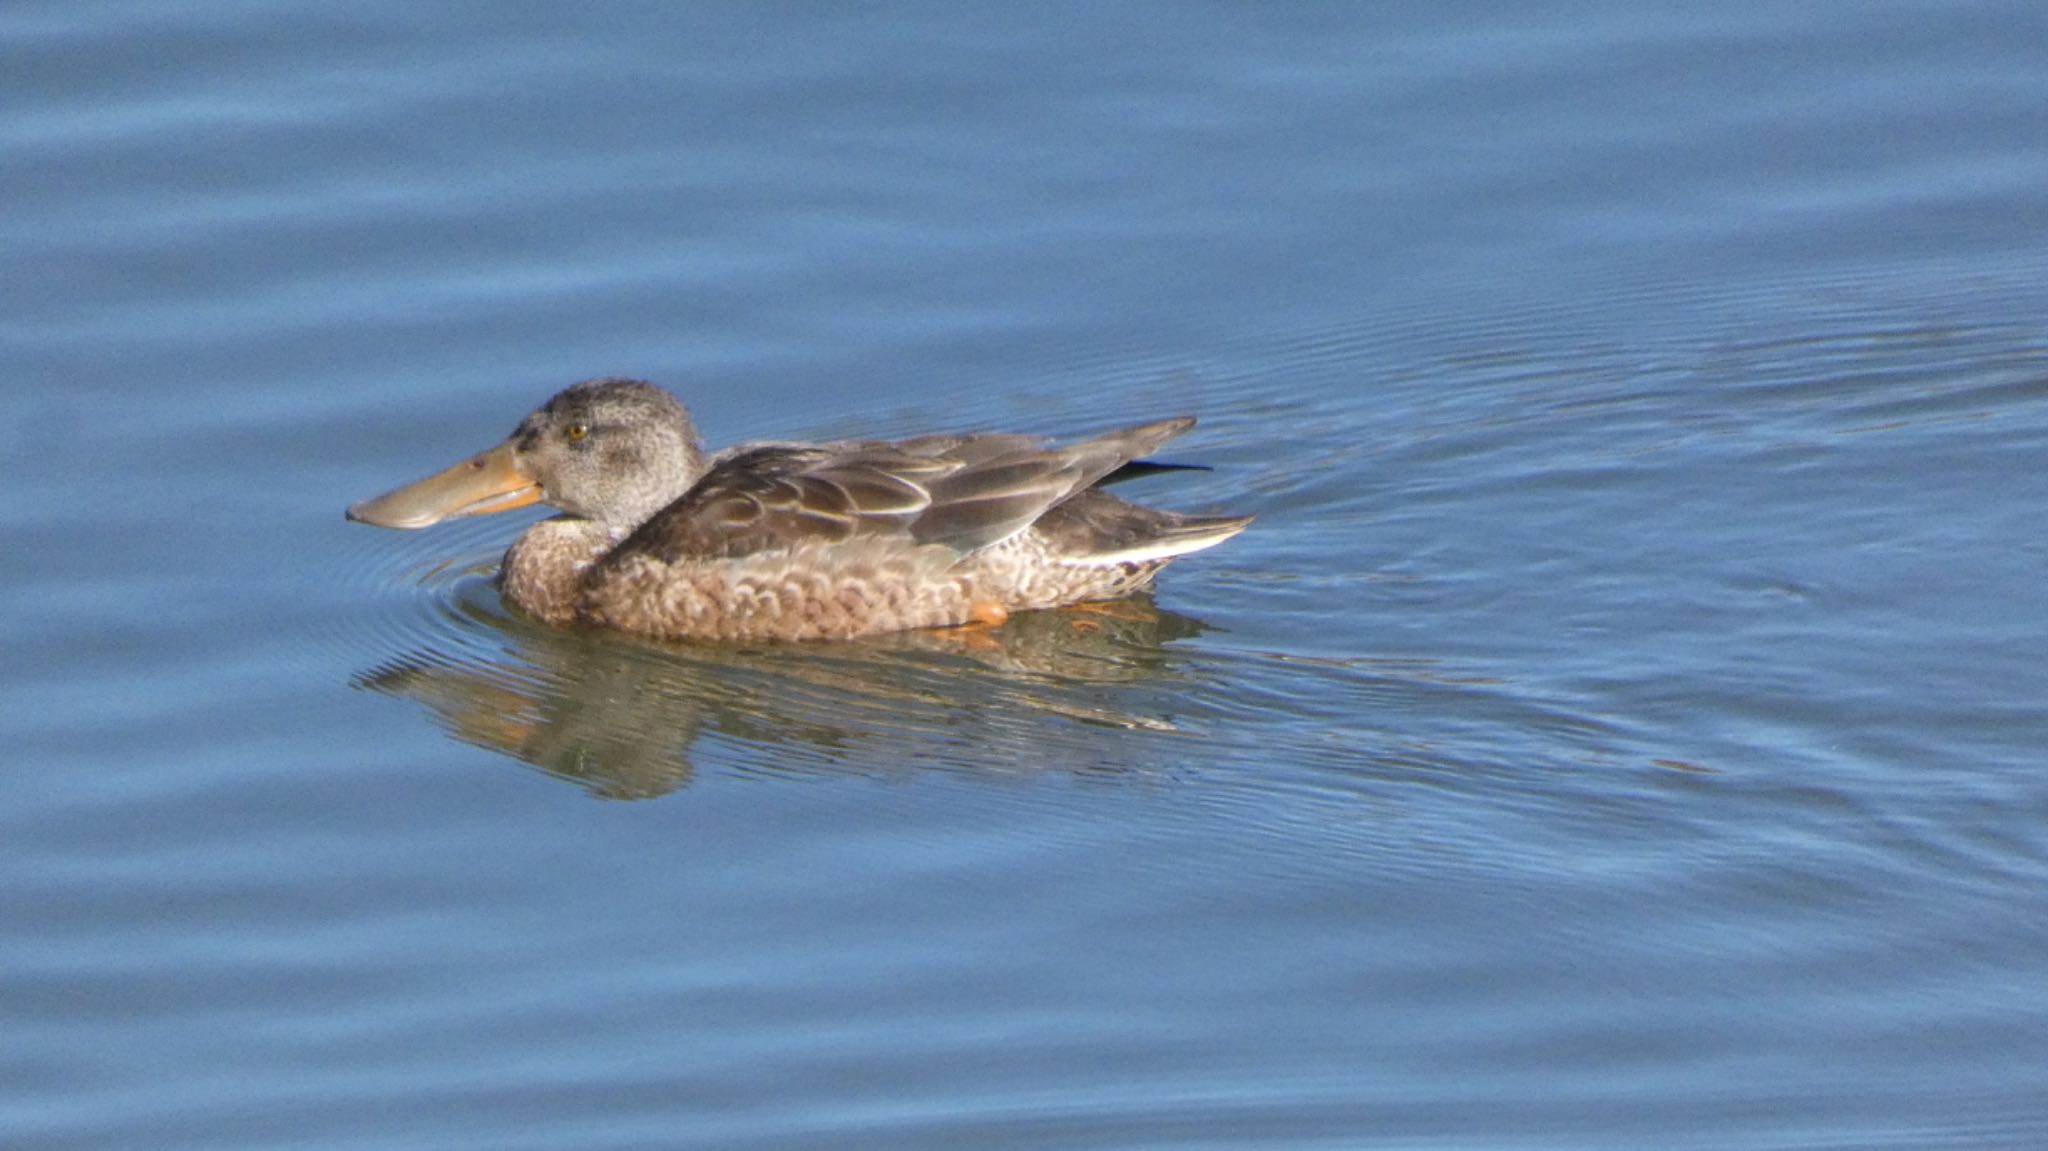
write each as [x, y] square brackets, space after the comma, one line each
[1624, 726]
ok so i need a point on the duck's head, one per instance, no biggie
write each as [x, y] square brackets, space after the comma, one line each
[614, 451]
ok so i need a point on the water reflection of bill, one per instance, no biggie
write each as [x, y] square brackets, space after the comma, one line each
[622, 717]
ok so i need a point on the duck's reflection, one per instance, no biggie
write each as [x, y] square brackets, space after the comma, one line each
[622, 717]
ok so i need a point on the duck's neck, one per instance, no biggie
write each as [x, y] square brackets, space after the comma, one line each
[543, 569]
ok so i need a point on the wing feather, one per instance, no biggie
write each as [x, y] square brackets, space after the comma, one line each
[959, 492]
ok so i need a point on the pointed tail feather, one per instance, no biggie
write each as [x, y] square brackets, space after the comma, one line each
[1139, 469]
[1168, 539]
[1112, 452]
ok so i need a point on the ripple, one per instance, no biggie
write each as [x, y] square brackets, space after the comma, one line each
[1527, 433]
[428, 590]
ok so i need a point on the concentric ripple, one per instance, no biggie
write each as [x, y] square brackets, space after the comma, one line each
[431, 591]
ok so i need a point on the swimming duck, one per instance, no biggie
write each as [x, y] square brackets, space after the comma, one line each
[794, 541]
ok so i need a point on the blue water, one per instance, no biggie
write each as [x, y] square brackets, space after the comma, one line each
[1622, 727]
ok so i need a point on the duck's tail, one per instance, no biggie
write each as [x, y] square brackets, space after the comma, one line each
[1162, 536]
[1096, 529]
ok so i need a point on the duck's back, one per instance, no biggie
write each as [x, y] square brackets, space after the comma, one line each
[814, 542]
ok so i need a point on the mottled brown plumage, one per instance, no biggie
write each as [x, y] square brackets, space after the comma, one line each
[800, 541]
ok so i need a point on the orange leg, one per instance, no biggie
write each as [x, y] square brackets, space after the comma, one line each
[978, 630]
[1110, 609]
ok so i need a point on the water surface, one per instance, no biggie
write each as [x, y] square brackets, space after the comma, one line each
[1621, 728]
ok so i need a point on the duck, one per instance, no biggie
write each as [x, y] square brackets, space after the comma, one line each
[774, 540]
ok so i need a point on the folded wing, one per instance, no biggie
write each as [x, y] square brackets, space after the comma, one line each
[960, 492]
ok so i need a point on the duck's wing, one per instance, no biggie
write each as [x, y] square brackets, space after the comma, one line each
[960, 492]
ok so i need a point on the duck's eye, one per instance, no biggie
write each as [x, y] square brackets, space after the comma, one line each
[576, 432]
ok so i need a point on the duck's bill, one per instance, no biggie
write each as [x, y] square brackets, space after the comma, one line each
[478, 486]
